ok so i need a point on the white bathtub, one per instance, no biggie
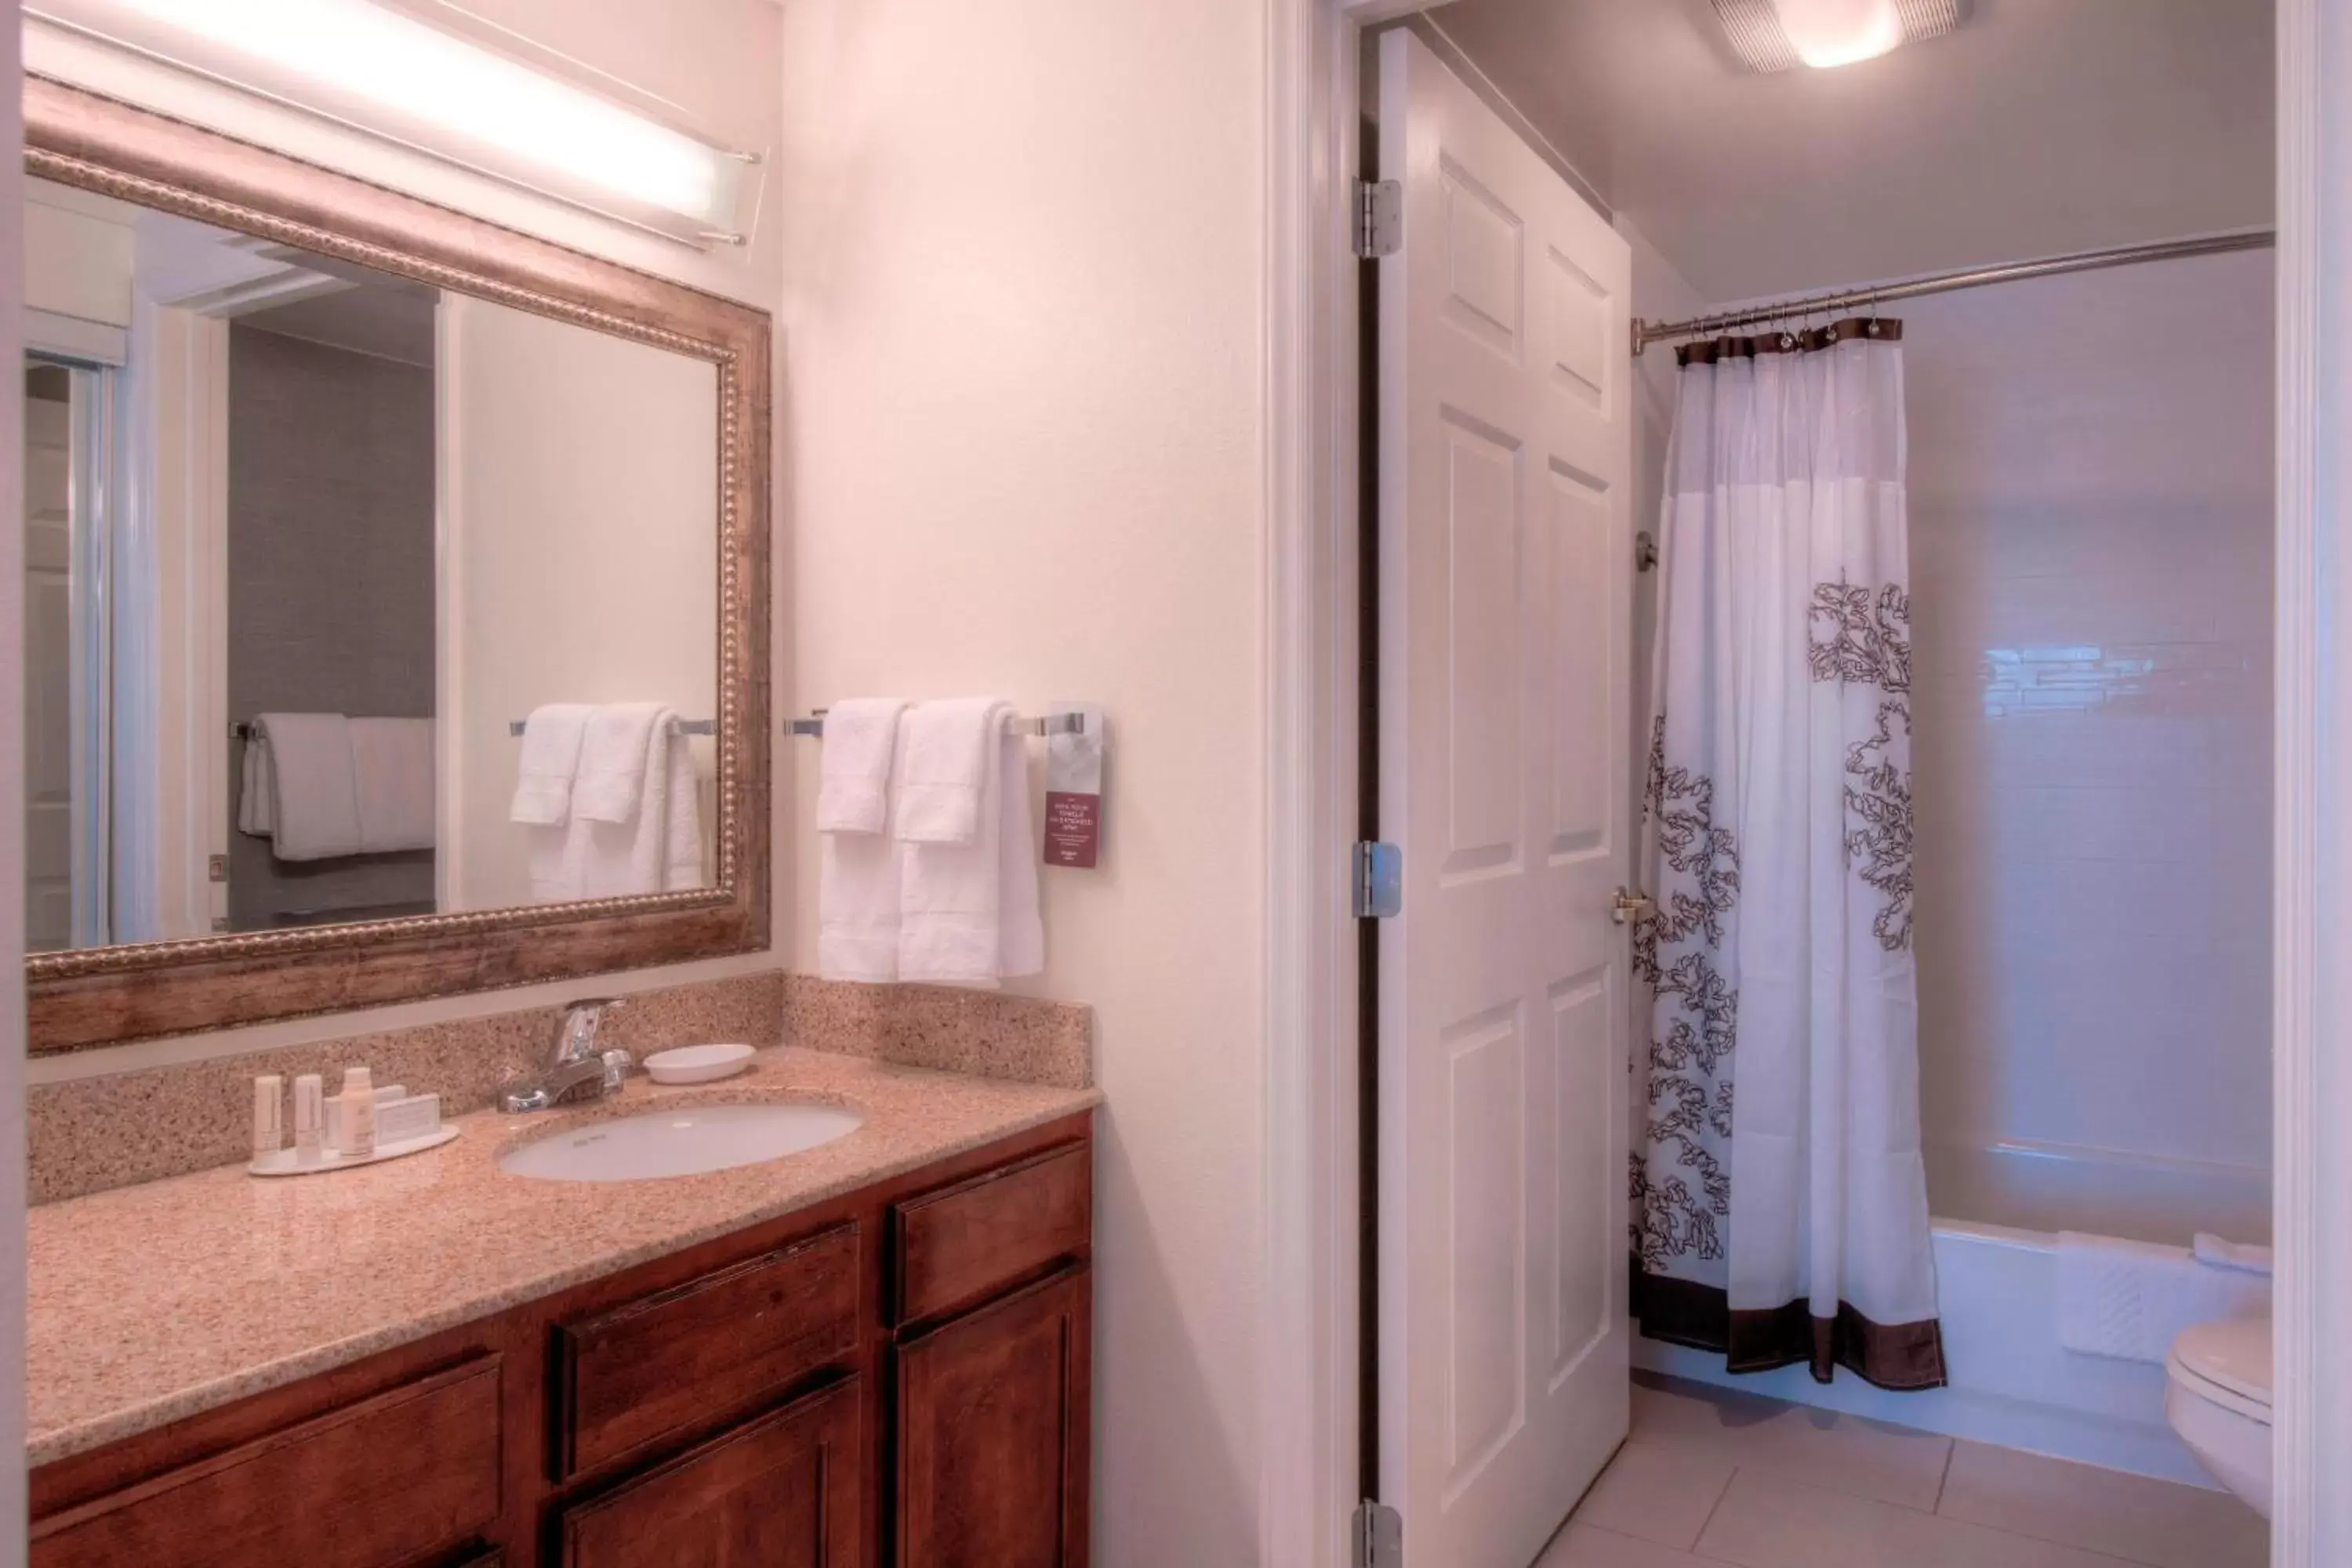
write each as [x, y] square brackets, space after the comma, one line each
[2011, 1384]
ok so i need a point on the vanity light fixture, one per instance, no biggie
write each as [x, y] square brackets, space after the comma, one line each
[1776, 35]
[378, 68]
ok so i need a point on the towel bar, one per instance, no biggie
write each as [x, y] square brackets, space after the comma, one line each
[677, 726]
[243, 730]
[1019, 724]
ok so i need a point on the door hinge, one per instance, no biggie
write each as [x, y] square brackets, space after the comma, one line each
[216, 867]
[1380, 1536]
[1379, 218]
[1377, 881]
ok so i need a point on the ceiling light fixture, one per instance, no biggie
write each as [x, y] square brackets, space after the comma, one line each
[1777, 35]
[377, 69]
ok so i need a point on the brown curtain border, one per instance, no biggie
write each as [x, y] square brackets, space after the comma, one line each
[1874, 329]
[1900, 1357]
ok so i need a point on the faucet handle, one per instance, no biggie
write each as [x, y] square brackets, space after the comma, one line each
[575, 1036]
[617, 1063]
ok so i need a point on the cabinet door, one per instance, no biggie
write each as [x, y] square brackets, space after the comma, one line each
[992, 1434]
[781, 1491]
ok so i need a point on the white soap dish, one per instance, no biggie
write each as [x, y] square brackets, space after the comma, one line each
[287, 1162]
[697, 1064]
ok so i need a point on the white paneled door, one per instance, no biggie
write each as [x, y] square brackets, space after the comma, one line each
[1505, 580]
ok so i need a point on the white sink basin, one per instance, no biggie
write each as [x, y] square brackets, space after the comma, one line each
[684, 1142]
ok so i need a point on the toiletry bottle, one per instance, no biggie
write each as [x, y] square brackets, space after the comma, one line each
[359, 1114]
[268, 1115]
[310, 1119]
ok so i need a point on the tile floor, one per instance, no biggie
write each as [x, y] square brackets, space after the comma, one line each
[1710, 1478]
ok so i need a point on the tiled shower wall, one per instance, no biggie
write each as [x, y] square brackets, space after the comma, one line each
[2090, 470]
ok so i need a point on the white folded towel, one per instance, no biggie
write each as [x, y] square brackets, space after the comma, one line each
[391, 764]
[549, 762]
[860, 745]
[2216, 1253]
[301, 785]
[857, 882]
[615, 747]
[2130, 1300]
[967, 912]
[946, 752]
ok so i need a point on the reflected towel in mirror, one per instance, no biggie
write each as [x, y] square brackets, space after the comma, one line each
[321, 785]
[300, 791]
[549, 762]
[635, 822]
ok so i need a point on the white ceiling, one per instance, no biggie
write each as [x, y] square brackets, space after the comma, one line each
[2041, 126]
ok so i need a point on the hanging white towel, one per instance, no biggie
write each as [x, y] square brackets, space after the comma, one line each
[306, 795]
[859, 748]
[967, 912]
[392, 766]
[549, 762]
[858, 859]
[2130, 1300]
[615, 745]
[257, 813]
[945, 754]
[682, 868]
[657, 845]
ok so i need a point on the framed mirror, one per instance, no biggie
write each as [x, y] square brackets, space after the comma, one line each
[396, 594]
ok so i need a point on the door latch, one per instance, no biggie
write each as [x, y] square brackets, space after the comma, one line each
[1627, 906]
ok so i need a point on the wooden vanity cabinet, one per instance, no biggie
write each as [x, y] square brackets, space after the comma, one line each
[898, 1378]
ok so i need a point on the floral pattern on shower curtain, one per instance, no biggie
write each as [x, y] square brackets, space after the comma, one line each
[1779, 1208]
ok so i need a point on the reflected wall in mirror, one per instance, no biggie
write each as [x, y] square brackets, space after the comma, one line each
[307, 542]
[397, 594]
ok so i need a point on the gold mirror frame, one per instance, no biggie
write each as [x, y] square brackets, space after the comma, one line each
[91, 996]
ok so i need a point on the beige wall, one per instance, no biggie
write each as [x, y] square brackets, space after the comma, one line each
[1022, 423]
[580, 560]
[717, 58]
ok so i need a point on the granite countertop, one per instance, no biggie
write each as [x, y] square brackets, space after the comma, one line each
[147, 1304]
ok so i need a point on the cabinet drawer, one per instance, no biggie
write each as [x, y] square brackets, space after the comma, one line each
[955, 1246]
[786, 1490]
[671, 1360]
[373, 1484]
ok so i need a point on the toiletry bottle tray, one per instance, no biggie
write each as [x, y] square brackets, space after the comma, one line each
[284, 1162]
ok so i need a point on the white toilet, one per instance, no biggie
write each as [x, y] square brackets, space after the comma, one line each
[2217, 1397]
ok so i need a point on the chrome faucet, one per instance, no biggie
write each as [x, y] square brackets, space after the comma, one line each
[579, 1071]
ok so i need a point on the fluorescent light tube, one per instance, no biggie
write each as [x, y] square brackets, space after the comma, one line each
[380, 70]
[1827, 33]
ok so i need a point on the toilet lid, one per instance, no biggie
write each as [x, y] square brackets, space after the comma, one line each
[2233, 1355]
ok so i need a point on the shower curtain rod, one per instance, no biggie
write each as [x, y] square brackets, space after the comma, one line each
[1648, 333]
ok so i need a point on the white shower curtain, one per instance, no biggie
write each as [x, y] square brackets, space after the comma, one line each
[1787, 1221]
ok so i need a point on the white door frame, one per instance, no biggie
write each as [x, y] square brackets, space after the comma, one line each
[1308, 1344]
[1308, 1338]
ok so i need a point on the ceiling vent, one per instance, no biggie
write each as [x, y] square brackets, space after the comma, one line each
[1779, 35]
